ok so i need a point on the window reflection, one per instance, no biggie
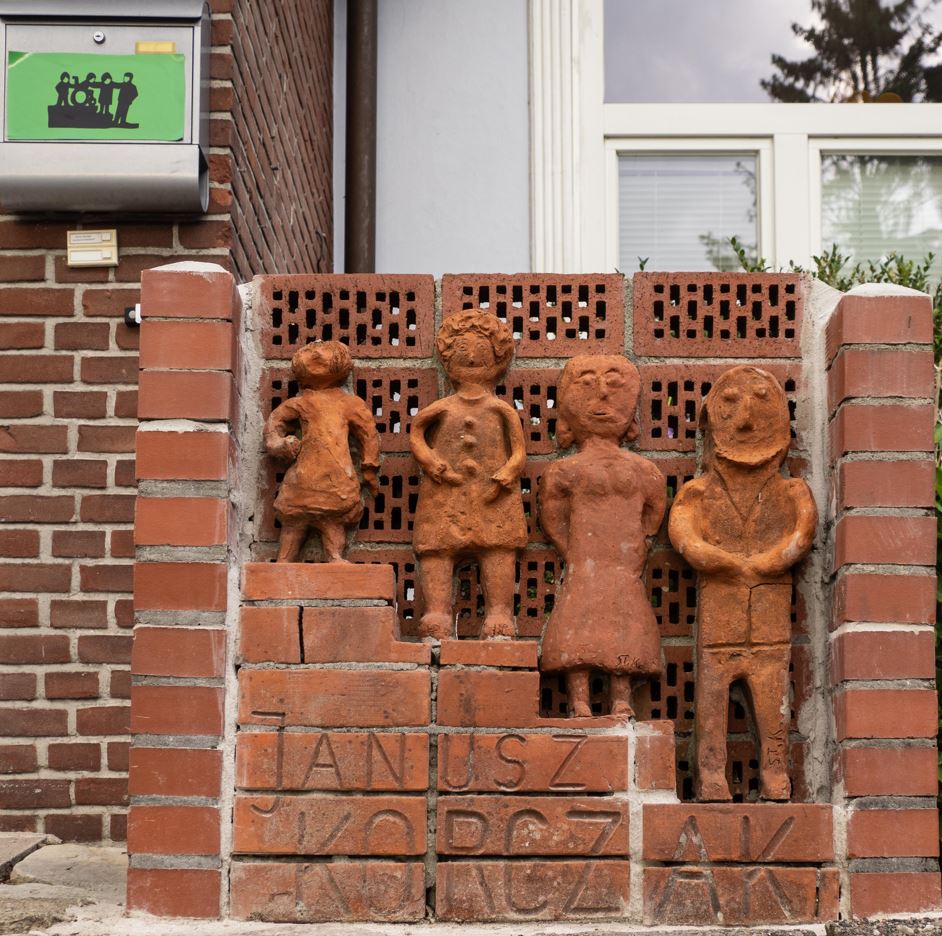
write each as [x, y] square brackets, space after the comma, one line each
[872, 205]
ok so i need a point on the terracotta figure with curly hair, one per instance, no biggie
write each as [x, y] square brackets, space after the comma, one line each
[599, 508]
[321, 489]
[471, 448]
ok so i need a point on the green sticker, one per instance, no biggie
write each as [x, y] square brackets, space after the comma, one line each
[84, 96]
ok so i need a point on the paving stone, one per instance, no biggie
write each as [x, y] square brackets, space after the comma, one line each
[99, 872]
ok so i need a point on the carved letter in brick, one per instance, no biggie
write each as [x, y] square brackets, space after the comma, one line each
[743, 526]
[321, 488]
[471, 448]
[598, 507]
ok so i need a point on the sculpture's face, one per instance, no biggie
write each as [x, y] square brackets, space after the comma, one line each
[748, 417]
[314, 365]
[600, 397]
[471, 359]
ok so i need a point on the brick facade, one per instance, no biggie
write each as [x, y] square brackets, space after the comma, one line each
[69, 406]
[326, 698]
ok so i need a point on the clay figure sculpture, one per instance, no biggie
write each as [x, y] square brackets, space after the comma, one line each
[599, 507]
[321, 489]
[471, 449]
[742, 526]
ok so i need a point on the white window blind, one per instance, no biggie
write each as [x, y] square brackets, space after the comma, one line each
[679, 211]
[872, 205]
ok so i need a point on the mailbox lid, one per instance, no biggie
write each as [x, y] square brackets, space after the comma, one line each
[96, 9]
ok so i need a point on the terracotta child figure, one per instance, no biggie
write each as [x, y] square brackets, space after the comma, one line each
[598, 508]
[470, 447]
[321, 489]
[743, 526]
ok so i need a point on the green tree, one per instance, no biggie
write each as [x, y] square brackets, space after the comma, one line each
[862, 49]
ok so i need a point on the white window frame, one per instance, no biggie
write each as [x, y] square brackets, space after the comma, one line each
[575, 138]
[654, 146]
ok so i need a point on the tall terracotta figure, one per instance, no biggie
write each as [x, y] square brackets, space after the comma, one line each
[743, 526]
[470, 447]
[598, 508]
[321, 489]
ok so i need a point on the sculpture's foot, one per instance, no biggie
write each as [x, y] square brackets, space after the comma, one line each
[436, 626]
[580, 710]
[622, 709]
[712, 788]
[775, 786]
[498, 627]
[337, 559]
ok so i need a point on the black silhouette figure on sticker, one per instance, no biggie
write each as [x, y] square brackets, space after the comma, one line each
[78, 107]
[127, 93]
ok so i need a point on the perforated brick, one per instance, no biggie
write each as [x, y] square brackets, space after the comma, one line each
[376, 315]
[387, 517]
[531, 391]
[672, 591]
[717, 314]
[530, 488]
[395, 395]
[672, 394]
[550, 316]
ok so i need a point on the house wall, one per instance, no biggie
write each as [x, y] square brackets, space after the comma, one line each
[453, 174]
[69, 405]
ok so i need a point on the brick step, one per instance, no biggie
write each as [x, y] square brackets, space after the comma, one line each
[326, 635]
[288, 581]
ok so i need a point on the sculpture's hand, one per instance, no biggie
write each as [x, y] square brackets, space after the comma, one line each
[371, 481]
[439, 470]
[506, 477]
[288, 448]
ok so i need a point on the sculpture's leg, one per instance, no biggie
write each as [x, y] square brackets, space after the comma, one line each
[577, 688]
[334, 540]
[768, 685]
[436, 571]
[710, 728]
[293, 535]
[621, 694]
[497, 578]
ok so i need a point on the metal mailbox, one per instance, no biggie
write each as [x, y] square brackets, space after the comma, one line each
[104, 105]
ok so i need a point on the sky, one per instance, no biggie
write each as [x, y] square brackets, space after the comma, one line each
[699, 50]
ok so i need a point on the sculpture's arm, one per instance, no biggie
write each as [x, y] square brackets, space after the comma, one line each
[511, 470]
[364, 429]
[796, 545]
[684, 531]
[655, 500]
[554, 510]
[435, 467]
[280, 441]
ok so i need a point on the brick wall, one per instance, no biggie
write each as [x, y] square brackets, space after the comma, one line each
[882, 643]
[303, 676]
[282, 137]
[68, 415]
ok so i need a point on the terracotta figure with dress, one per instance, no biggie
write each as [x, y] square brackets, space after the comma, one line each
[321, 488]
[599, 508]
[471, 449]
[742, 526]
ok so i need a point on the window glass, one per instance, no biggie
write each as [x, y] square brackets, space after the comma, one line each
[679, 211]
[692, 51]
[871, 205]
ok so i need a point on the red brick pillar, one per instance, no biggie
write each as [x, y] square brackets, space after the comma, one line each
[880, 390]
[184, 447]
